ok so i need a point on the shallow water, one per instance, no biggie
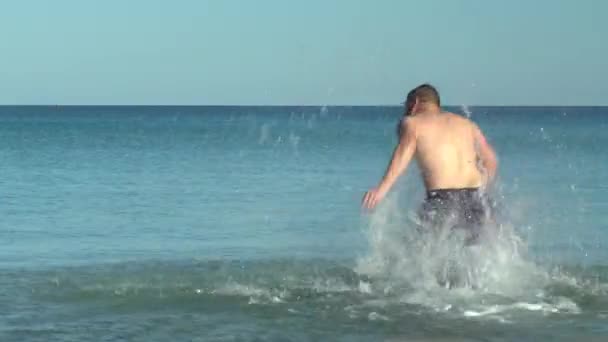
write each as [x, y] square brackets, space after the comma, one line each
[243, 223]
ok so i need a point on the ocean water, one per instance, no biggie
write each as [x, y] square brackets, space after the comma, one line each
[244, 224]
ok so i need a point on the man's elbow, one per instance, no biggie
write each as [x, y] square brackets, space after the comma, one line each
[493, 161]
[492, 166]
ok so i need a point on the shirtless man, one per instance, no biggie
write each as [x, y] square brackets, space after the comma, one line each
[455, 159]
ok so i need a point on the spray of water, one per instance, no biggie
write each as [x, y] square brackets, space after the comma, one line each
[466, 110]
[437, 268]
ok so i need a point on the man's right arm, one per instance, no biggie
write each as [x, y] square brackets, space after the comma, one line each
[402, 156]
[485, 153]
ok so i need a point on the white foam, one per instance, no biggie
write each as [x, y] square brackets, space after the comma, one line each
[329, 285]
[374, 316]
[562, 306]
[490, 311]
[365, 287]
[436, 271]
[256, 295]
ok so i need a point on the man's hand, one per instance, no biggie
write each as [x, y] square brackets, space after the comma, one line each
[372, 198]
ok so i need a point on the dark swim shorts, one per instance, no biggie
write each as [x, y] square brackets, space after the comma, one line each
[465, 209]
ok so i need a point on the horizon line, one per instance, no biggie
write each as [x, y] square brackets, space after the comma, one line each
[291, 105]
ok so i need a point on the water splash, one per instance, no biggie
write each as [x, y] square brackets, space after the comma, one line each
[323, 111]
[440, 271]
[466, 110]
[264, 133]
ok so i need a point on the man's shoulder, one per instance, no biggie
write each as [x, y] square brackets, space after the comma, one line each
[408, 125]
[456, 116]
[461, 119]
[409, 120]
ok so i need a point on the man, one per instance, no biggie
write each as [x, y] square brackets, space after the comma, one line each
[455, 160]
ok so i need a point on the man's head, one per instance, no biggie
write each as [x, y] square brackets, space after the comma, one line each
[421, 98]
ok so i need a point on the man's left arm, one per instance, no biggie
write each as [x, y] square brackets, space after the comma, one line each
[402, 156]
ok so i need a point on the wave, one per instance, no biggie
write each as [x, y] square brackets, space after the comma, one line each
[404, 272]
[300, 286]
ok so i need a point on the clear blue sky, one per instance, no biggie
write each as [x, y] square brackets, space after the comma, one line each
[514, 52]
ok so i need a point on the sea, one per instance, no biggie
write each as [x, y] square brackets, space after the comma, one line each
[236, 223]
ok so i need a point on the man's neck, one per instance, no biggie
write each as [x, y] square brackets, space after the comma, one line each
[429, 110]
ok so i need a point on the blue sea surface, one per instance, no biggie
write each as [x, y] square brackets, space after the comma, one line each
[244, 223]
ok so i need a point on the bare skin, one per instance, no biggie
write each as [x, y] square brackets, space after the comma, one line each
[450, 150]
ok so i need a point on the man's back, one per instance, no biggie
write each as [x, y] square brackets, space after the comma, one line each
[446, 151]
[452, 153]
[456, 162]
